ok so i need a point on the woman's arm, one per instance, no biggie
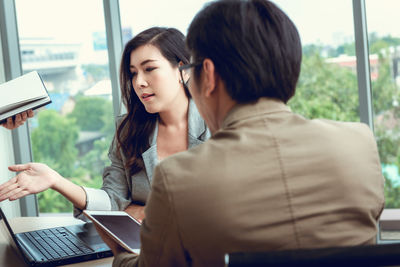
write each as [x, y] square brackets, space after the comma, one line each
[72, 192]
[37, 177]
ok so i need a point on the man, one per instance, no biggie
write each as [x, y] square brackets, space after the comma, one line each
[268, 179]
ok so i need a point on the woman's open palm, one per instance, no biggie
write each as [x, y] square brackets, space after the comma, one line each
[32, 178]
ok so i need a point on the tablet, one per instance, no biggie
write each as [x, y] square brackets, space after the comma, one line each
[120, 226]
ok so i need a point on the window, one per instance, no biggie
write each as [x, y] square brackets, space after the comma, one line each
[73, 133]
[327, 87]
[137, 16]
[384, 47]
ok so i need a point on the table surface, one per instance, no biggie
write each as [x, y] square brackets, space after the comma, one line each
[10, 258]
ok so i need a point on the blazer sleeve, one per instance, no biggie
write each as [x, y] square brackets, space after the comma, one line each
[160, 237]
[115, 180]
[115, 191]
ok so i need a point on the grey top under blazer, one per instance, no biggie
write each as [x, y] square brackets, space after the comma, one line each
[119, 189]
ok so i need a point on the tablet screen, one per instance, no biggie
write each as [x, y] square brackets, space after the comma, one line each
[126, 229]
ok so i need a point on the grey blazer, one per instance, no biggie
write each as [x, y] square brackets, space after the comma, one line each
[119, 189]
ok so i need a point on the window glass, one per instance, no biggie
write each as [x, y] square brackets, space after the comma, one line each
[65, 42]
[384, 47]
[327, 87]
[137, 16]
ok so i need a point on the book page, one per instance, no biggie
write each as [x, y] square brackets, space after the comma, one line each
[18, 109]
[22, 89]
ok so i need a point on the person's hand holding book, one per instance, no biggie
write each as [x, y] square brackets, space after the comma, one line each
[19, 96]
[19, 119]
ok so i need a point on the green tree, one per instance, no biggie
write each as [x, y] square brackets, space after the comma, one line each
[392, 193]
[385, 102]
[376, 43]
[89, 112]
[346, 49]
[326, 91]
[312, 49]
[385, 93]
[53, 141]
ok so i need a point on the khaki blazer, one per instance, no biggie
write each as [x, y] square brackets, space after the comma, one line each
[267, 180]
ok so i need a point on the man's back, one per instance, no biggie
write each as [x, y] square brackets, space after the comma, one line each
[268, 180]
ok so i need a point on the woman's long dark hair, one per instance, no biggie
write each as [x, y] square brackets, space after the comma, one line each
[134, 131]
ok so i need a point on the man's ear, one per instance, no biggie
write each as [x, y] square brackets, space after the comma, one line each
[210, 77]
[185, 75]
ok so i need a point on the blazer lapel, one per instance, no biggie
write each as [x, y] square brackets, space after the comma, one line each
[198, 132]
[150, 157]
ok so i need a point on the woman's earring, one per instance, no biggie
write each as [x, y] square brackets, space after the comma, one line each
[180, 81]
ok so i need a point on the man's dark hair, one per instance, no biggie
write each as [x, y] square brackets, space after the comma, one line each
[255, 47]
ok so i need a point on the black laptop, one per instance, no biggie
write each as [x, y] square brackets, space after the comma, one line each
[57, 246]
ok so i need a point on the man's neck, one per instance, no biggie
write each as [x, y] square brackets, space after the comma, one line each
[225, 104]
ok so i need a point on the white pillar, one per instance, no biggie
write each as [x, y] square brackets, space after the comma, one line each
[11, 209]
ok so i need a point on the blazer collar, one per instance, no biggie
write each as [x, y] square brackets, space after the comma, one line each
[196, 126]
[263, 105]
[150, 158]
[196, 134]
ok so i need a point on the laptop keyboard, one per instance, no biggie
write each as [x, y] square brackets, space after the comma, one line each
[57, 243]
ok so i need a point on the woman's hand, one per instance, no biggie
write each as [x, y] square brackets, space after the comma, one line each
[18, 121]
[136, 211]
[113, 245]
[33, 178]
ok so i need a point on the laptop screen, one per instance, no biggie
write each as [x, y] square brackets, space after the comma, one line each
[7, 232]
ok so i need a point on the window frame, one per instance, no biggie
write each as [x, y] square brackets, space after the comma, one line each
[363, 68]
[13, 69]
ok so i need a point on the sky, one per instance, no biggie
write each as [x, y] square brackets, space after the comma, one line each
[327, 20]
[318, 21]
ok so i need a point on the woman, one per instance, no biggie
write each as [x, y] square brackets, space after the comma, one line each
[161, 120]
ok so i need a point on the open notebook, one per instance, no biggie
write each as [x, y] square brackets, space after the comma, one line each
[21, 94]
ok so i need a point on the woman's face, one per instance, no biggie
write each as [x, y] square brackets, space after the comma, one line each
[155, 80]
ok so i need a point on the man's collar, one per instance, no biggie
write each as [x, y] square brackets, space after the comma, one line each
[263, 105]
